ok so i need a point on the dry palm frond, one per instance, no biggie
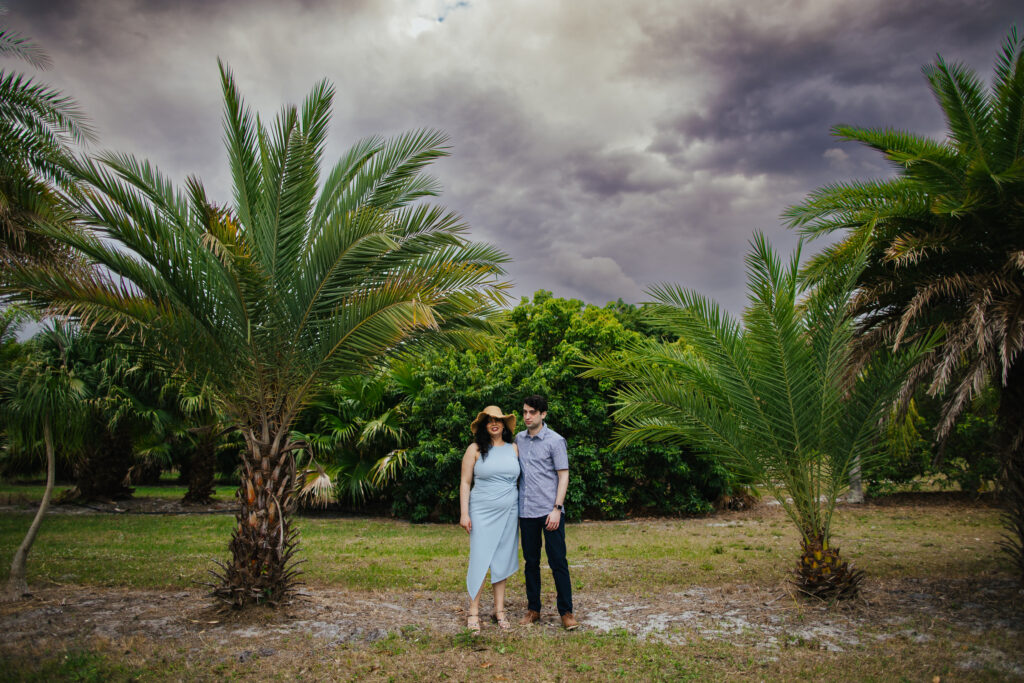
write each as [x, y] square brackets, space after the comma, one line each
[386, 469]
[316, 487]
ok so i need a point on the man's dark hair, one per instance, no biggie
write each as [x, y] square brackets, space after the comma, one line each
[537, 402]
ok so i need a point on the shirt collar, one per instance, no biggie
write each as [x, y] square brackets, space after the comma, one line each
[540, 435]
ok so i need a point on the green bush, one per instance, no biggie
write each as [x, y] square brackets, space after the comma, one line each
[542, 342]
[968, 459]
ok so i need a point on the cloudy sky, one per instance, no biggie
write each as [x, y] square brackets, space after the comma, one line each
[605, 145]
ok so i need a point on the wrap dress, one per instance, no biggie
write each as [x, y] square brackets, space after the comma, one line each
[494, 512]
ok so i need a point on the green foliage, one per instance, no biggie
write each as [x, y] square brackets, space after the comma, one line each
[43, 389]
[539, 351]
[908, 454]
[127, 413]
[967, 458]
[772, 398]
[945, 235]
[38, 127]
[353, 440]
[946, 250]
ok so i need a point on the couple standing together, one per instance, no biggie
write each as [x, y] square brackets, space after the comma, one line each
[512, 486]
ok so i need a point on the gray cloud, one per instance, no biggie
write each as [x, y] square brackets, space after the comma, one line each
[605, 145]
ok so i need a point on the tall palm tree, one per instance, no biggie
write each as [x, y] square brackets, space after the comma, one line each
[39, 400]
[946, 239]
[38, 127]
[298, 283]
[772, 397]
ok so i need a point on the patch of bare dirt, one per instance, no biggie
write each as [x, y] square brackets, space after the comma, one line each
[65, 613]
[139, 506]
[767, 619]
[946, 499]
[772, 618]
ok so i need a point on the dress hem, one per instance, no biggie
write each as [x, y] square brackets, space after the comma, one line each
[493, 581]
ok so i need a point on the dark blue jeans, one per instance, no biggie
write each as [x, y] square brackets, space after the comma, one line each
[531, 531]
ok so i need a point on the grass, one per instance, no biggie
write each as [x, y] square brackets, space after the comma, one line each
[657, 557]
[171, 551]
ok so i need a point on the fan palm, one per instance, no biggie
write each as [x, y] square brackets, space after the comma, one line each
[268, 302]
[38, 126]
[357, 440]
[946, 238]
[772, 397]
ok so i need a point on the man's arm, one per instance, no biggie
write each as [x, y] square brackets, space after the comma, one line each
[555, 516]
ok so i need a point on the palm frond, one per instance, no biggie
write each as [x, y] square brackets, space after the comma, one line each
[1008, 104]
[14, 44]
[961, 96]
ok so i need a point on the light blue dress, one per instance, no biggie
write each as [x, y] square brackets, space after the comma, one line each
[494, 512]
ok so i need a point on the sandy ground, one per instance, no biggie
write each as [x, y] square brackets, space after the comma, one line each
[743, 615]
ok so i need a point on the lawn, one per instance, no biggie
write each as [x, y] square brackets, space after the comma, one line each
[660, 599]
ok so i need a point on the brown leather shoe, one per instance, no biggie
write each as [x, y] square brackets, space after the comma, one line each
[569, 622]
[529, 618]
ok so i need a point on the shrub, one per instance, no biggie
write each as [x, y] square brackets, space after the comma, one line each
[543, 341]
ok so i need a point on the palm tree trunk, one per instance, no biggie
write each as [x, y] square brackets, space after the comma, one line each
[263, 542]
[1011, 429]
[201, 468]
[822, 572]
[102, 474]
[17, 586]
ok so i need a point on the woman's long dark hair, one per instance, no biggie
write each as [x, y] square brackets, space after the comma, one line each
[483, 438]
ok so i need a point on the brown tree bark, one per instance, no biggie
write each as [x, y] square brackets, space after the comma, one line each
[101, 474]
[823, 573]
[202, 468]
[263, 543]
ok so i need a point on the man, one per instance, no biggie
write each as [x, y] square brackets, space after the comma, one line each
[545, 478]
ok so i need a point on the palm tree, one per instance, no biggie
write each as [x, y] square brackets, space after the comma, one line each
[127, 413]
[270, 301]
[772, 397]
[39, 400]
[205, 431]
[946, 238]
[38, 126]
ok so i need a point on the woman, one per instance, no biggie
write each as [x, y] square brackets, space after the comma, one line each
[490, 510]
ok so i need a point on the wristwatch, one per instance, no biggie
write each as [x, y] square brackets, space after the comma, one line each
[560, 508]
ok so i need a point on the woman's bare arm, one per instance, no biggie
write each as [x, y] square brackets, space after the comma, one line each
[465, 484]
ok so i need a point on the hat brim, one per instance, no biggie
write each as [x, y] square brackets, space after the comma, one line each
[509, 419]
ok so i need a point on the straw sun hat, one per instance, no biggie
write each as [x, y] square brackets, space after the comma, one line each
[494, 411]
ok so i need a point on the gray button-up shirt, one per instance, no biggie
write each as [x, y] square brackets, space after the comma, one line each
[540, 458]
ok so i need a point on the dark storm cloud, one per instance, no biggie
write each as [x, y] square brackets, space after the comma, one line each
[779, 85]
[605, 145]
